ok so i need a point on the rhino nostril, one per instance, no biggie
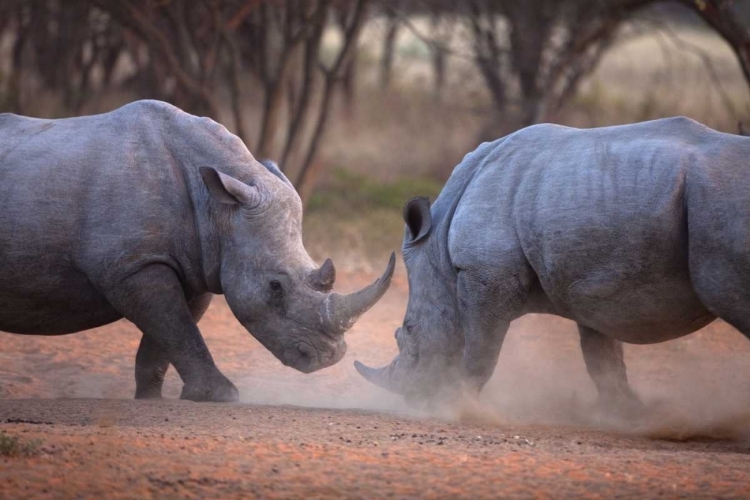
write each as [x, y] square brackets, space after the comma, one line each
[303, 350]
[305, 359]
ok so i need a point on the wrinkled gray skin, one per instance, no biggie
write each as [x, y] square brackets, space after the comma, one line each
[144, 213]
[639, 233]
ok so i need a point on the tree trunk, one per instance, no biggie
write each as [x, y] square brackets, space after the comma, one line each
[389, 48]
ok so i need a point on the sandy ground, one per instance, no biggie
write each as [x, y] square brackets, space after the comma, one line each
[537, 432]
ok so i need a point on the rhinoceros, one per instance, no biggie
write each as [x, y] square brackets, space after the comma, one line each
[639, 233]
[146, 212]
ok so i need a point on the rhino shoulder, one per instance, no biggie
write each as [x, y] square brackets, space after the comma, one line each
[679, 125]
[150, 113]
[8, 120]
[149, 107]
[678, 122]
[200, 132]
[151, 110]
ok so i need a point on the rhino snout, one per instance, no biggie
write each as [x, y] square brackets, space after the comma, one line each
[307, 358]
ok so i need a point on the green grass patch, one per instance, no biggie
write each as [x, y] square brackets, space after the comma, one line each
[13, 446]
[357, 221]
[356, 191]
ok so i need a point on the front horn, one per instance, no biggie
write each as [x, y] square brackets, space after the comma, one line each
[382, 377]
[339, 312]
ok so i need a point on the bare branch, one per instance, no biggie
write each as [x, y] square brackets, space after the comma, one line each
[131, 16]
[718, 15]
[332, 75]
[666, 30]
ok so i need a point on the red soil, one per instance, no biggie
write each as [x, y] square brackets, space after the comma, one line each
[536, 433]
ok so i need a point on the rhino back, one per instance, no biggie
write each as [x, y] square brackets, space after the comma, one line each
[600, 215]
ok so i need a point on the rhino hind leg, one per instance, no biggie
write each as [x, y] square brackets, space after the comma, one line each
[605, 364]
[153, 299]
[199, 305]
[151, 364]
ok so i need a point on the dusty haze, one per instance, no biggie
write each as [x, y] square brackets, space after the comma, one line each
[695, 386]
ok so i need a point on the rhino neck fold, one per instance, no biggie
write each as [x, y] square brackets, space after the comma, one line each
[199, 142]
[445, 205]
[208, 242]
[444, 208]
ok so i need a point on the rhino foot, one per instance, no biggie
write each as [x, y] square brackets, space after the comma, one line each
[148, 393]
[625, 404]
[217, 389]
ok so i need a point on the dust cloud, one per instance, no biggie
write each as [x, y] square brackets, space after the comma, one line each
[693, 388]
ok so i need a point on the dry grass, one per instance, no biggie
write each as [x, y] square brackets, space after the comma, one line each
[665, 74]
[357, 220]
[407, 133]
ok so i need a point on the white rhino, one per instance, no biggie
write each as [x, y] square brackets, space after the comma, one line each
[639, 233]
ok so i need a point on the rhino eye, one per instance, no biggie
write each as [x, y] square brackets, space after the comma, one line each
[275, 286]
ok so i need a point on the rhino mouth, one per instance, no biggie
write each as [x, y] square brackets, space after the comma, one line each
[337, 313]
[309, 334]
[305, 358]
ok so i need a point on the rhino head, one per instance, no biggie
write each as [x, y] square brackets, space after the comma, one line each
[271, 284]
[430, 340]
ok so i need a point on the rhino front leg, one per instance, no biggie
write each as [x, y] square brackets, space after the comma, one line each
[481, 351]
[484, 325]
[154, 301]
[151, 361]
[605, 364]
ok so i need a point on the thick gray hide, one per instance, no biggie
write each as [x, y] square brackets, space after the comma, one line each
[639, 233]
[144, 213]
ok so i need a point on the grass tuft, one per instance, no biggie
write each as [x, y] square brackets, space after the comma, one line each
[13, 446]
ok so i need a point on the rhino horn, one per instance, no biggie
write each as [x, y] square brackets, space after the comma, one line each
[325, 276]
[339, 312]
[382, 377]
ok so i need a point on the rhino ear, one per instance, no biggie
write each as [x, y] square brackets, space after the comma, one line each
[418, 218]
[226, 189]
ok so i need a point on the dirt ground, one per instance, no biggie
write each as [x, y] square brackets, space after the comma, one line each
[536, 434]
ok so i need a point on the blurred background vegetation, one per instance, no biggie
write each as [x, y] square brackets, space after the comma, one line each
[365, 103]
